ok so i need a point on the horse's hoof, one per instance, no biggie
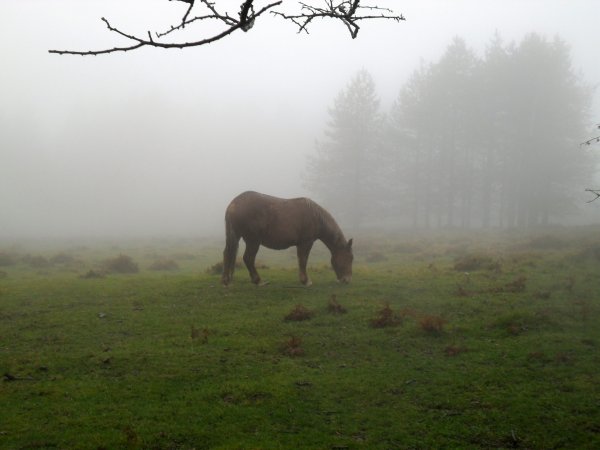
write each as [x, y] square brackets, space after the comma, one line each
[263, 283]
[307, 284]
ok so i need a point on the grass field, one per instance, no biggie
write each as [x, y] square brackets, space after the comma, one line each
[447, 340]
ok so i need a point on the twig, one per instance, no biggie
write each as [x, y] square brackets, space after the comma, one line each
[247, 18]
[596, 192]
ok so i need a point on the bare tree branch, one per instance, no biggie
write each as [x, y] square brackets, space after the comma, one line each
[347, 11]
[596, 192]
[595, 139]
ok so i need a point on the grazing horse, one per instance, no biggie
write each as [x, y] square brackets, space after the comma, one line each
[279, 223]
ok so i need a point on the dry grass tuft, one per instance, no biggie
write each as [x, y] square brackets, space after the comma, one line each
[454, 350]
[199, 335]
[334, 307]
[292, 347]
[386, 318]
[432, 324]
[62, 258]
[121, 264]
[92, 274]
[298, 314]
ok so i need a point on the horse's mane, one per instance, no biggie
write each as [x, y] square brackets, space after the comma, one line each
[328, 225]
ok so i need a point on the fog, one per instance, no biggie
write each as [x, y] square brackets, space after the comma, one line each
[156, 142]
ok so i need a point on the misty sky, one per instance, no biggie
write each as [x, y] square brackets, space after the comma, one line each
[157, 142]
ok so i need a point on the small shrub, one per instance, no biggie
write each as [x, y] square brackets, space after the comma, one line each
[386, 318]
[121, 264]
[217, 268]
[62, 258]
[292, 347]
[164, 264]
[432, 324]
[298, 314]
[376, 257]
[91, 274]
[469, 263]
[334, 307]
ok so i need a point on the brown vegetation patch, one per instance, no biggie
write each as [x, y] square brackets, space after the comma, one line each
[164, 264]
[461, 291]
[432, 324]
[454, 350]
[299, 313]
[334, 306]
[121, 264]
[199, 335]
[386, 317]
[292, 347]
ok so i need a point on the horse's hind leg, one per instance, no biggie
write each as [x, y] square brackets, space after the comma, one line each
[229, 256]
[249, 260]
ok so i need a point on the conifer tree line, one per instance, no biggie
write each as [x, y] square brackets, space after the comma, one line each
[470, 141]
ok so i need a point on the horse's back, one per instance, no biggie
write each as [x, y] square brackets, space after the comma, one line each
[275, 222]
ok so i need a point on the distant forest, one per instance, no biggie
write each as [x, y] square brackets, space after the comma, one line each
[470, 141]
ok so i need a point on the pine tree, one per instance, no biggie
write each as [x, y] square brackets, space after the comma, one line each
[343, 172]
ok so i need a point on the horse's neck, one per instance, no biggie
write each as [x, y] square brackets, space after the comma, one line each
[331, 235]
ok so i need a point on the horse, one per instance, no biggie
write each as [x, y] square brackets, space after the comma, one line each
[279, 223]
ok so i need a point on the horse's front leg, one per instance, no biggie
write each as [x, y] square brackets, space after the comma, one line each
[249, 260]
[303, 250]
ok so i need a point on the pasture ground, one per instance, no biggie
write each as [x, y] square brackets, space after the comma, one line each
[453, 340]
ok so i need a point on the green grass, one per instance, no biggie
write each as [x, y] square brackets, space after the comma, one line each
[173, 360]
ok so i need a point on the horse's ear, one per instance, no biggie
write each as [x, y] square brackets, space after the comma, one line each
[349, 245]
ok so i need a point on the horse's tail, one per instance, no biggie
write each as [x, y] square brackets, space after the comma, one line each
[230, 253]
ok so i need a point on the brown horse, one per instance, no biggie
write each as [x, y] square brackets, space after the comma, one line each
[279, 223]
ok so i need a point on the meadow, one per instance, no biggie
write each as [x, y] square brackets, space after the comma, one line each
[442, 340]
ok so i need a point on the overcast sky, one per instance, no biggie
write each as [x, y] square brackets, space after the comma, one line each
[156, 142]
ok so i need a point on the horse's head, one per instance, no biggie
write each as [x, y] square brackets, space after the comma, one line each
[341, 261]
